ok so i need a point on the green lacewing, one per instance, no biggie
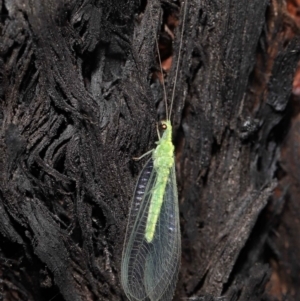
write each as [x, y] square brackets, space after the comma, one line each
[152, 246]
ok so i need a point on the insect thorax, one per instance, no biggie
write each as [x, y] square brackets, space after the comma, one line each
[164, 153]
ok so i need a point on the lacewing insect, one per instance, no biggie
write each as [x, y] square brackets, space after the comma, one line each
[152, 247]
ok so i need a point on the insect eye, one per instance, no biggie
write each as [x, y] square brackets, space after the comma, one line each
[163, 126]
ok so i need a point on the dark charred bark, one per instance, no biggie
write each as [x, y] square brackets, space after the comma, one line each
[79, 101]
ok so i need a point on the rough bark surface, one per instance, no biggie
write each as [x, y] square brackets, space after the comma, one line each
[78, 103]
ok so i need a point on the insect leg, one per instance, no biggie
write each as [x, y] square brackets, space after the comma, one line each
[158, 134]
[144, 155]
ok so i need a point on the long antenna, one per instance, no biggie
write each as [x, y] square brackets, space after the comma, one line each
[177, 67]
[161, 70]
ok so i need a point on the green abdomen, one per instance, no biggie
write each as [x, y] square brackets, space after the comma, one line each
[163, 167]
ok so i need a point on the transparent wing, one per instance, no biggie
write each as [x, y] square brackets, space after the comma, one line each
[144, 183]
[150, 270]
[132, 264]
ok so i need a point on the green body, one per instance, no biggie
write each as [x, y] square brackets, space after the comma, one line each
[152, 246]
[163, 160]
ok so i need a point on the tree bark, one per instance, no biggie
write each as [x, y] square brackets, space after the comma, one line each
[79, 101]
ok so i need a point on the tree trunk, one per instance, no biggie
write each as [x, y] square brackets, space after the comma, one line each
[79, 100]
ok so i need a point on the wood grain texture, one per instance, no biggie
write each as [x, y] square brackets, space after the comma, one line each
[78, 103]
